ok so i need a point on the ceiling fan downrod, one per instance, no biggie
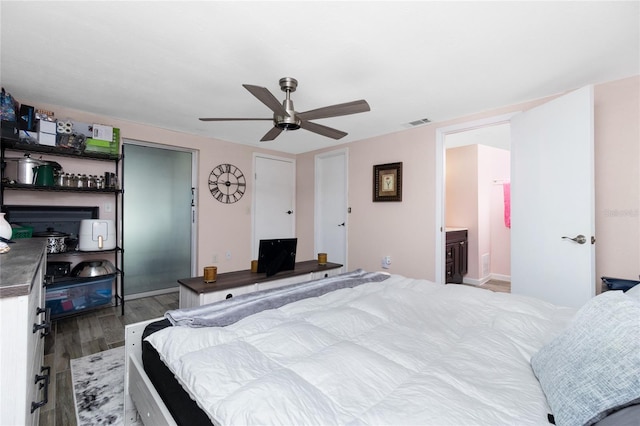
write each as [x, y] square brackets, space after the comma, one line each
[287, 85]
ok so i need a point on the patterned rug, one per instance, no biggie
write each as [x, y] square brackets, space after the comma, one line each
[98, 385]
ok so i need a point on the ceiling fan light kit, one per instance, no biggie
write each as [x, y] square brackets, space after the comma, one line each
[286, 118]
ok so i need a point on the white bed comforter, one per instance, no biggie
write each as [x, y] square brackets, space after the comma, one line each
[398, 352]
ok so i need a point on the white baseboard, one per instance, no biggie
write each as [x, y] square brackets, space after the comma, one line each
[500, 277]
[481, 281]
[152, 293]
[473, 281]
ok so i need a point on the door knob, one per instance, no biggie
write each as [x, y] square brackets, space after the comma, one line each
[289, 211]
[342, 224]
[580, 239]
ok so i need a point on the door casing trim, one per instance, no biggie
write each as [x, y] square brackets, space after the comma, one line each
[440, 201]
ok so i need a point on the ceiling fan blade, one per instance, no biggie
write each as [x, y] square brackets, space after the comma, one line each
[271, 134]
[322, 130]
[267, 98]
[235, 119]
[347, 108]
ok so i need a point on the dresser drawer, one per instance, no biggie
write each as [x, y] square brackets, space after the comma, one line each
[216, 296]
[325, 274]
[282, 282]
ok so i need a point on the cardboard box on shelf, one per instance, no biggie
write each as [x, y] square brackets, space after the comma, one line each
[102, 133]
[82, 128]
[46, 133]
[106, 147]
[45, 126]
[48, 139]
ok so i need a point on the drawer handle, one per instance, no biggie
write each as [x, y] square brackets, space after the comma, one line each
[46, 378]
[229, 296]
[46, 324]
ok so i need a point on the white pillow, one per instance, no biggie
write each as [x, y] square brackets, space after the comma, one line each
[593, 367]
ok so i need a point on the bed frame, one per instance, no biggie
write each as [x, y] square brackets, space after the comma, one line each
[141, 400]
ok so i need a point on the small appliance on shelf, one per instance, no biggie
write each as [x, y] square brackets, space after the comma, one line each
[97, 235]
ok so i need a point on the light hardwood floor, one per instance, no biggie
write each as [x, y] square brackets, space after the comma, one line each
[495, 285]
[86, 334]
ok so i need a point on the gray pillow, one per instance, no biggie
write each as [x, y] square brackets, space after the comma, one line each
[593, 367]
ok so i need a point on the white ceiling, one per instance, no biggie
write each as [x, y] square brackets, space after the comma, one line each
[497, 136]
[168, 63]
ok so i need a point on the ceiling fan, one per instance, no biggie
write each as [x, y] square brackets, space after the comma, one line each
[286, 118]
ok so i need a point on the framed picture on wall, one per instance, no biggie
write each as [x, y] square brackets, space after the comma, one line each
[387, 182]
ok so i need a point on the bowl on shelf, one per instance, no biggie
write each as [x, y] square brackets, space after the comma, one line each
[93, 268]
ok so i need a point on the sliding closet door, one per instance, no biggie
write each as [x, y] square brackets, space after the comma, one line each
[157, 218]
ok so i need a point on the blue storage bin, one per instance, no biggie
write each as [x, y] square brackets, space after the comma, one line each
[72, 296]
[619, 283]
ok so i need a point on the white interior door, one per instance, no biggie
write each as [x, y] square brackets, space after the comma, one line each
[552, 196]
[331, 206]
[274, 199]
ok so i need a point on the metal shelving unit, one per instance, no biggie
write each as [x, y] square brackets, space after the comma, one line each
[117, 160]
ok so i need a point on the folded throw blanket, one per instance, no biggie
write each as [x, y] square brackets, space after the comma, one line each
[229, 311]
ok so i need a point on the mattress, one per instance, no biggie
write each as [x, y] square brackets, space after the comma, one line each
[398, 351]
[182, 407]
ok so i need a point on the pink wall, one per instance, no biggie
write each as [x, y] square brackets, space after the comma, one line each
[474, 202]
[403, 230]
[406, 230]
[221, 227]
[499, 166]
[461, 199]
[617, 164]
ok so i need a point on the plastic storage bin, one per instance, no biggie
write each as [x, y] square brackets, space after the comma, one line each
[619, 283]
[79, 294]
[21, 231]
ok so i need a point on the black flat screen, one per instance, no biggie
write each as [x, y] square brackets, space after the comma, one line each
[277, 255]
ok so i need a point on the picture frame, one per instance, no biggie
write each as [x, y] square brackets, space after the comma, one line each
[387, 182]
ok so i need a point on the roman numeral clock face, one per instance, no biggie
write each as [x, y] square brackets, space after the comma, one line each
[227, 183]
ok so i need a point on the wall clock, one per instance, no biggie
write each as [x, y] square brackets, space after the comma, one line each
[227, 183]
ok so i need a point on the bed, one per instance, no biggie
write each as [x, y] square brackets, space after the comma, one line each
[372, 348]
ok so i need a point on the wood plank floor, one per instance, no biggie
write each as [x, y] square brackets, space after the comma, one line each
[495, 285]
[86, 334]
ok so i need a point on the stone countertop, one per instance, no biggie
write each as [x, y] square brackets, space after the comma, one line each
[19, 266]
[454, 229]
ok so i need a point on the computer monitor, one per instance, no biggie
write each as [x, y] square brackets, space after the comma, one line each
[277, 255]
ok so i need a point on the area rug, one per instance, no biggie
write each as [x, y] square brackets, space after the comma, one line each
[98, 387]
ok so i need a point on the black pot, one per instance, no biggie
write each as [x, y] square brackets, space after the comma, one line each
[58, 269]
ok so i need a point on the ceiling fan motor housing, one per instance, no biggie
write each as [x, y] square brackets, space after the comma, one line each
[287, 123]
[288, 85]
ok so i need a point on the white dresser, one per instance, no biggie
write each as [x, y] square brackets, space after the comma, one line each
[195, 292]
[24, 381]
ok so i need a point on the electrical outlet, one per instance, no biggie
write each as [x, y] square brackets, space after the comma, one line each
[214, 258]
[228, 255]
[108, 207]
[386, 262]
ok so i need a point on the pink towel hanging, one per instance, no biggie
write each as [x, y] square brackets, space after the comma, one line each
[506, 188]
